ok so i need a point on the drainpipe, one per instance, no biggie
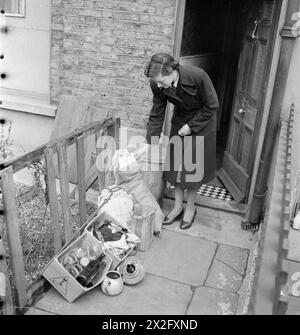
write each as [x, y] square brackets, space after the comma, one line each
[289, 35]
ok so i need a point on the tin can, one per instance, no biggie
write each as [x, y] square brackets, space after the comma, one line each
[72, 270]
[69, 259]
[78, 267]
[80, 253]
[84, 261]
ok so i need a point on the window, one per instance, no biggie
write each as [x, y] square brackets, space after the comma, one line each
[27, 57]
[13, 7]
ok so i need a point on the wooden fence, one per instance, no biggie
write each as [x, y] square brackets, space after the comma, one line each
[18, 296]
[281, 298]
[269, 294]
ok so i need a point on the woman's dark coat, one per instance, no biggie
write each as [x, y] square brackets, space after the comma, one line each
[195, 103]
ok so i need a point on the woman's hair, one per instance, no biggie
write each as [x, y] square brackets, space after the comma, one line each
[160, 63]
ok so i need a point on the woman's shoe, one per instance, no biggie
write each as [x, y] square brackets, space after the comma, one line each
[186, 224]
[168, 222]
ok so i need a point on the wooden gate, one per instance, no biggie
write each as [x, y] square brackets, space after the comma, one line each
[19, 295]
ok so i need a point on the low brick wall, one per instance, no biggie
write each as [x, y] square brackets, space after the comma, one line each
[101, 46]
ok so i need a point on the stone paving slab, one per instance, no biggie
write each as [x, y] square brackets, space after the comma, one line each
[36, 311]
[152, 296]
[293, 306]
[209, 301]
[221, 276]
[174, 262]
[213, 225]
[236, 258]
[179, 257]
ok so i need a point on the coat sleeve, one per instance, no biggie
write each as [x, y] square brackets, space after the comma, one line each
[210, 102]
[157, 114]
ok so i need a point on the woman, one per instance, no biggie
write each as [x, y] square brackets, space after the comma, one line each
[195, 101]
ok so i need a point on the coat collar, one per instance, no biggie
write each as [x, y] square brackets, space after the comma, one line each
[185, 83]
[185, 78]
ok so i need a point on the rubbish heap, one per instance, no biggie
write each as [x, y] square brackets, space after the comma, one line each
[128, 216]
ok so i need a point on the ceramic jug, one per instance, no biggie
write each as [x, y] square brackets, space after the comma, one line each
[112, 283]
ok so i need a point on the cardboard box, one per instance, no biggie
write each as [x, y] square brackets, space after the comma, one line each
[62, 280]
[116, 261]
[142, 224]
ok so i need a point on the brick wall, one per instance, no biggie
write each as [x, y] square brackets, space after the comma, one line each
[99, 47]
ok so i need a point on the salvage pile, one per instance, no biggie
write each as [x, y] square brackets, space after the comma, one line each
[104, 253]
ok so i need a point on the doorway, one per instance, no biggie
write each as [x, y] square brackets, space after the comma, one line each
[233, 42]
[212, 39]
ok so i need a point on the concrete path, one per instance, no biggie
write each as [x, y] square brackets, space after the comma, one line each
[204, 270]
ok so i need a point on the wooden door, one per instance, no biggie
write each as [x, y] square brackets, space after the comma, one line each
[249, 97]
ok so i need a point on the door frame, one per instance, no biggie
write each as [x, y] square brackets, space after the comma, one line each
[268, 95]
[176, 47]
[177, 41]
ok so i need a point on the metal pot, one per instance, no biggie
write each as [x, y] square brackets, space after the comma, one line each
[132, 270]
[112, 283]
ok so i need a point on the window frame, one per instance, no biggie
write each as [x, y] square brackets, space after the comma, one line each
[22, 9]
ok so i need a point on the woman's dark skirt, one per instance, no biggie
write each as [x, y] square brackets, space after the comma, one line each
[193, 162]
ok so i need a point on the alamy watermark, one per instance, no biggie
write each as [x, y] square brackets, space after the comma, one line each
[295, 284]
[184, 153]
[296, 25]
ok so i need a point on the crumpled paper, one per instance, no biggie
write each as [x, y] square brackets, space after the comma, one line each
[119, 204]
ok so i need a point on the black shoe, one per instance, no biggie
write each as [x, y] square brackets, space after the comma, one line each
[186, 224]
[168, 222]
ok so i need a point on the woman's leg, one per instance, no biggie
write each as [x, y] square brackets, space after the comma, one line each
[178, 205]
[190, 205]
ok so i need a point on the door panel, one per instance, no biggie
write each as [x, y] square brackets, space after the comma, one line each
[268, 12]
[253, 74]
[260, 54]
[245, 154]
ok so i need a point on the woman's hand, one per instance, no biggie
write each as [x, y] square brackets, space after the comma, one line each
[184, 130]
